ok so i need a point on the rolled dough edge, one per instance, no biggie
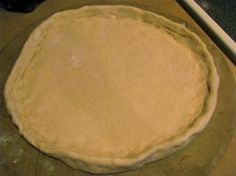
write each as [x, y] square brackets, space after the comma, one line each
[103, 165]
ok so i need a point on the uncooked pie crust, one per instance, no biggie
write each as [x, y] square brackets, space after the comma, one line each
[110, 88]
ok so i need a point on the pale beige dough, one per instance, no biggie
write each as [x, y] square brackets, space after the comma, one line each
[109, 88]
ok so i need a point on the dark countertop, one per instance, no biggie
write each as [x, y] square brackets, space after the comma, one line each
[223, 12]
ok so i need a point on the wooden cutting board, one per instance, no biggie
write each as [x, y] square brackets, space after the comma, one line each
[207, 154]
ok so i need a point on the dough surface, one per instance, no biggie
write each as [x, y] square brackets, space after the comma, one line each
[110, 88]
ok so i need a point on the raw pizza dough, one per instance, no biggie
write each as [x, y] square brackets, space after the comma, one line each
[110, 88]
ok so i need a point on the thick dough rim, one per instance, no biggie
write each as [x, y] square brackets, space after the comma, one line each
[97, 164]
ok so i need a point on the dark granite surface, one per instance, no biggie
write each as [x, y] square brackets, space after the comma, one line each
[223, 12]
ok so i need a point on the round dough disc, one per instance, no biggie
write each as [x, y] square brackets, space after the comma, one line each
[110, 88]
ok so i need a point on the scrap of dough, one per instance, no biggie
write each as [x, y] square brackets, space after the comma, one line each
[110, 88]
